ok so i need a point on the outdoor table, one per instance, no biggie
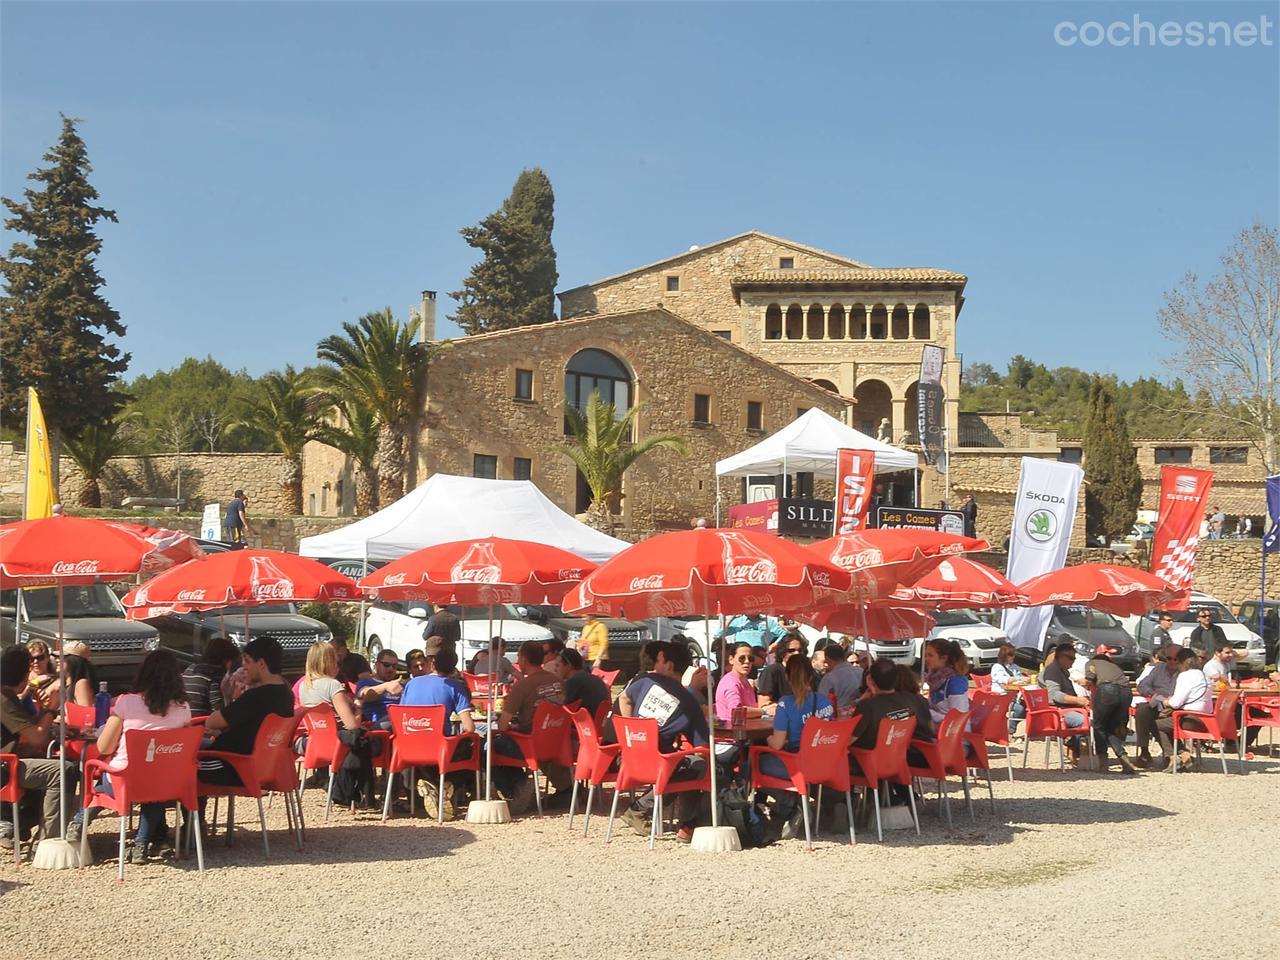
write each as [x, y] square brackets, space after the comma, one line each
[754, 730]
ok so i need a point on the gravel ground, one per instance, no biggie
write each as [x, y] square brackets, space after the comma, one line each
[1076, 865]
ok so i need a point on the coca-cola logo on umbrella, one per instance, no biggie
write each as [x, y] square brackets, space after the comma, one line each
[743, 562]
[267, 581]
[757, 601]
[570, 574]
[478, 566]
[652, 582]
[189, 596]
[65, 568]
[394, 580]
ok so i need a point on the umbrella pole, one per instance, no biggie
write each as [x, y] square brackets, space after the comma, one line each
[62, 724]
[711, 700]
[488, 719]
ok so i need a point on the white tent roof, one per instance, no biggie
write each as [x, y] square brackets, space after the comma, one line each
[810, 444]
[447, 508]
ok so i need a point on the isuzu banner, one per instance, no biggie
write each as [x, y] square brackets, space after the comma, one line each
[1183, 495]
[855, 479]
[1043, 516]
[929, 406]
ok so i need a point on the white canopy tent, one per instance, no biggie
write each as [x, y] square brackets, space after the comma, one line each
[447, 508]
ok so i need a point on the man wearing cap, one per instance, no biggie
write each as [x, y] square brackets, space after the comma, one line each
[1157, 686]
[1111, 697]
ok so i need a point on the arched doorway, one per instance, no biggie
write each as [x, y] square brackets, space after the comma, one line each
[913, 415]
[874, 403]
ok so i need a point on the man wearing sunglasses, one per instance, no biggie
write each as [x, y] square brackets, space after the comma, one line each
[1156, 686]
[1207, 635]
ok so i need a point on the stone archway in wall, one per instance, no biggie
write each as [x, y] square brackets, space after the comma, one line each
[912, 413]
[825, 385]
[874, 402]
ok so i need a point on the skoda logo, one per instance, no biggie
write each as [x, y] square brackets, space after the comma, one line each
[1041, 526]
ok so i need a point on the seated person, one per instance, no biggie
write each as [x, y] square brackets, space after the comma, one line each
[42, 681]
[883, 701]
[1155, 686]
[1218, 668]
[947, 673]
[840, 679]
[518, 708]
[580, 685]
[797, 705]
[1193, 692]
[320, 685]
[734, 689]
[82, 680]
[202, 682]
[658, 695]
[376, 693]
[1006, 677]
[493, 661]
[1062, 692]
[156, 701]
[28, 737]
[909, 684]
[351, 666]
[236, 725]
[772, 681]
[416, 662]
[441, 688]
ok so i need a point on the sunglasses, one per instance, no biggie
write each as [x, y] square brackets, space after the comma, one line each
[388, 663]
[743, 659]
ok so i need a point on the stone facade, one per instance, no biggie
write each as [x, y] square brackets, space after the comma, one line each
[472, 409]
[328, 484]
[206, 478]
[991, 475]
[854, 329]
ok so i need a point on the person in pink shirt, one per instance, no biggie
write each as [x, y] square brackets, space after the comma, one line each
[734, 690]
[157, 702]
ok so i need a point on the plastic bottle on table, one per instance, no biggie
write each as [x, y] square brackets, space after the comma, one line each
[101, 705]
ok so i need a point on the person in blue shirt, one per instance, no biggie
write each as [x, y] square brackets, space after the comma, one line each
[947, 674]
[753, 628]
[380, 691]
[439, 689]
[794, 710]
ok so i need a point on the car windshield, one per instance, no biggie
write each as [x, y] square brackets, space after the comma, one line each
[954, 618]
[93, 600]
[1085, 618]
[1220, 613]
[259, 608]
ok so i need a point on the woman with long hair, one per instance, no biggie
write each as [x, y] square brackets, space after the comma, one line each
[947, 674]
[353, 782]
[798, 704]
[42, 680]
[82, 680]
[155, 701]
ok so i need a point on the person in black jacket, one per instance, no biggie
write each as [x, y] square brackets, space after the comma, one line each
[202, 682]
[444, 624]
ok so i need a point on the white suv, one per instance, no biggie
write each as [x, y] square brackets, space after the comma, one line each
[398, 627]
[1251, 652]
[979, 640]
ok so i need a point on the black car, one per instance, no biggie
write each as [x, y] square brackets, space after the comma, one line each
[625, 637]
[187, 634]
[1269, 627]
[1085, 629]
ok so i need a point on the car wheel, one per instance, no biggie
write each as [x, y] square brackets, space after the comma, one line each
[373, 649]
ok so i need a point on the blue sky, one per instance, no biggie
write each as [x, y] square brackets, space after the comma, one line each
[281, 168]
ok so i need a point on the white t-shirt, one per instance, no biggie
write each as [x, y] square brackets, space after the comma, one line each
[1191, 691]
[320, 690]
[132, 709]
[1215, 669]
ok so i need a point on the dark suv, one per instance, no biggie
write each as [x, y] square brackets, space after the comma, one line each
[91, 613]
[187, 634]
[1269, 627]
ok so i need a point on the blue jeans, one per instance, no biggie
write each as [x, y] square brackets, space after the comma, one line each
[785, 800]
[151, 821]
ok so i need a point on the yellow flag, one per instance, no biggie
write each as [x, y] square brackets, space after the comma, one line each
[40, 493]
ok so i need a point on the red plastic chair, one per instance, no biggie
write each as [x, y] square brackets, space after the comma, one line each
[594, 764]
[981, 682]
[161, 769]
[886, 762]
[546, 743]
[1260, 712]
[1219, 726]
[324, 749]
[601, 715]
[259, 772]
[1046, 722]
[420, 741]
[482, 686]
[285, 780]
[944, 757]
[11, 793]
[644, 765]
[610, 677]
[822, 761]
[989, 720]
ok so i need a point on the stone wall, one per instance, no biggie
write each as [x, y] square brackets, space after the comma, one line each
[269, 533]
[1003, 430]
[206, 478]
[472, 409]
[991, 475]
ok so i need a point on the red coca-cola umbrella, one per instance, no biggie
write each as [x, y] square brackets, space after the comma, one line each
[875, 622]
[881, 560]
[69, 551]
[708, 572]
[494, 570]
[1122, 591]
[960, 583]
[171, 547]
[239, 578]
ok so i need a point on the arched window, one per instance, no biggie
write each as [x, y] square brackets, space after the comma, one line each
[594, 370]
[795, 322]
[920, 323]
[901, 323]
[814, 328]
[835, 323]
[857, 322]
[773, 322]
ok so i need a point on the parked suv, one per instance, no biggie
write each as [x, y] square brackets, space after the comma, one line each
[398, 626]
[91, 613]
[979, 640]
[1269, 629]
[1251, 652]
[188, 634]
[1086, 628]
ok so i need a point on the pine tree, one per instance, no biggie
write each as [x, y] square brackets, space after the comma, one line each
[53, 317]
[514, 284]
[1114, 483]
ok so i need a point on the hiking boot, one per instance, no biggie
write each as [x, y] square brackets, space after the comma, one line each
[74, 829]
[1159, 764]
[522, 798]
[430, 795]
[794, 827]
[636, 821]
[685, 835]
[1125, 763]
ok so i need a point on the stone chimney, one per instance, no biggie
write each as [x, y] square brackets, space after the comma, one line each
[426, 313]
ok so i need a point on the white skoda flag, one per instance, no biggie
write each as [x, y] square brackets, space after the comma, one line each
[1043, 516]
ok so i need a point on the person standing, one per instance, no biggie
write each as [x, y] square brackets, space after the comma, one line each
[444, 624]
[594, 643]
[235, 525]
[1207, 635]
[1160, 636]
[969, 510]
[1111, 699]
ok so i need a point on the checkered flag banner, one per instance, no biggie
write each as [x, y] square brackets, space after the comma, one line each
[1183, 496]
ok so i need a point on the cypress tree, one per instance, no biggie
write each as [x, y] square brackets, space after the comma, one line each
[1114, 483]
[514, 284]
[53, 317]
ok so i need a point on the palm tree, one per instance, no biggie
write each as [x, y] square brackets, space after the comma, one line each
[287, 407]
[377, 366]
[356, 435]
[97, 444]
[602, 451]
